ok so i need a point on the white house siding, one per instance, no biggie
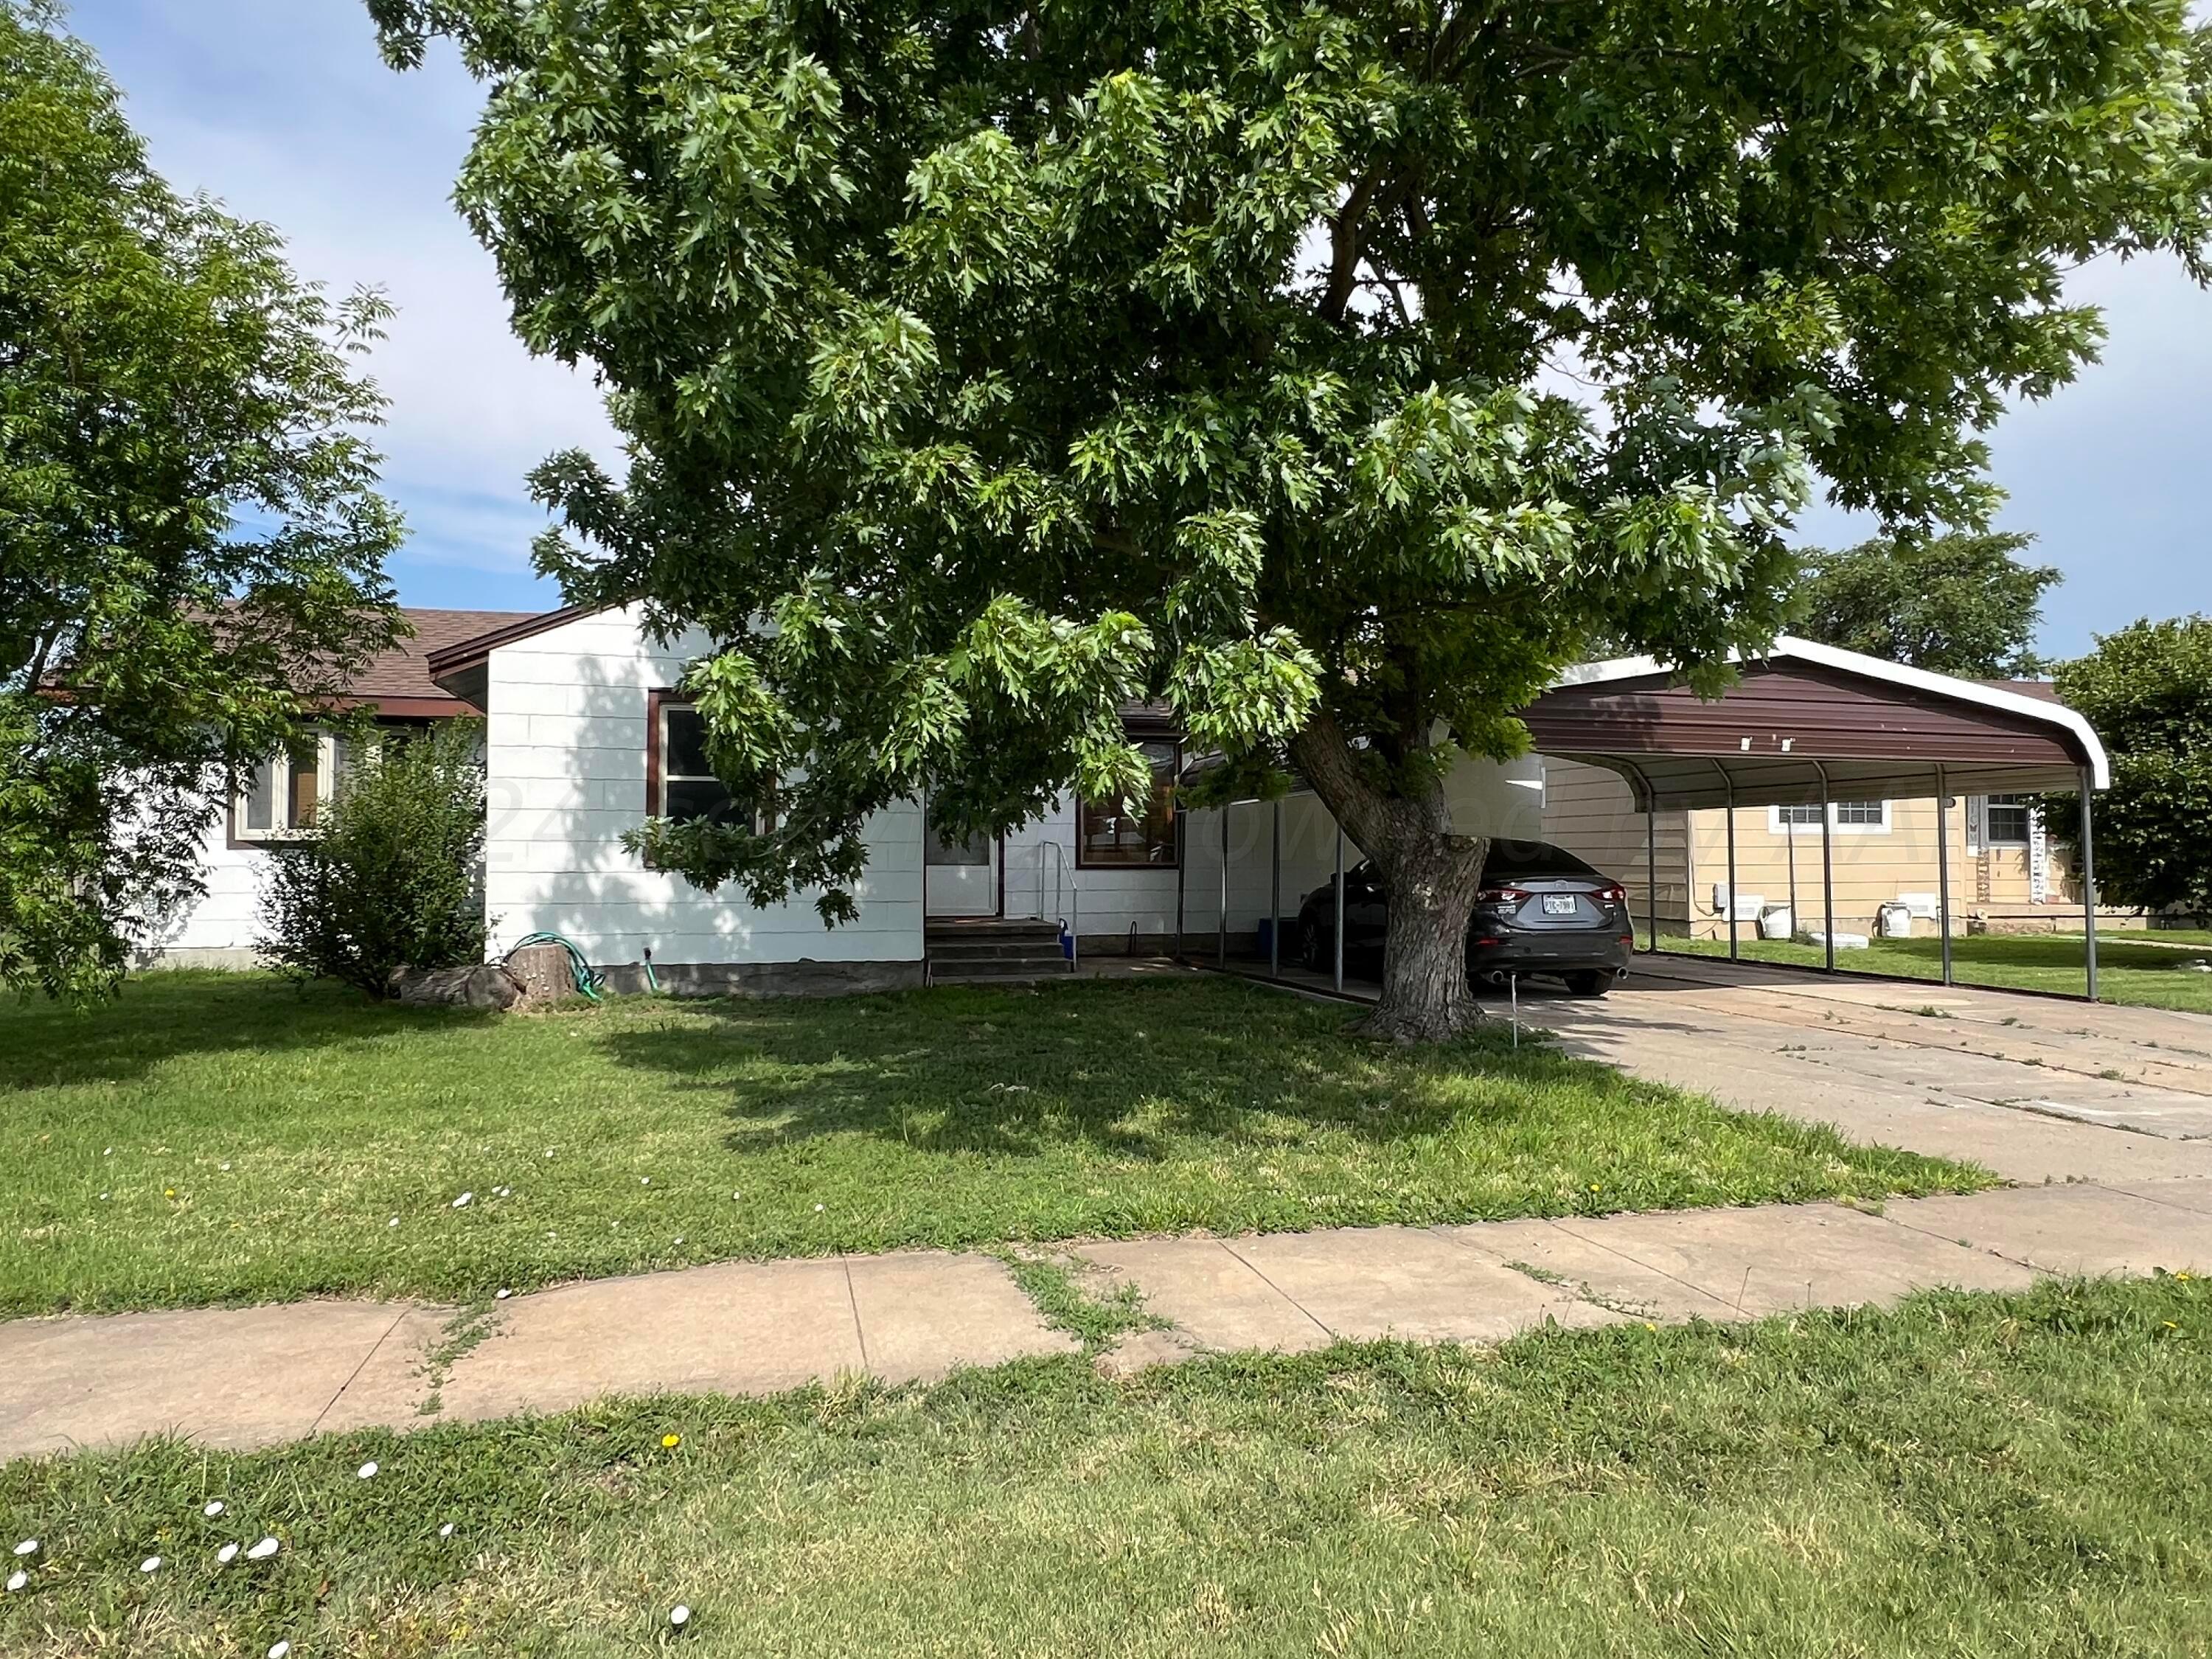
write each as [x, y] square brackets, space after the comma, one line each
[218, 930]
[566, 737]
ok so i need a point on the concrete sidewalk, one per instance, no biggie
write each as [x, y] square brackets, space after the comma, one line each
[257, 1376]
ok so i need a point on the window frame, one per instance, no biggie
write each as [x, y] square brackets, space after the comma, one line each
[2023, 805]
[1777, 825]
[657, 704]
[238, 836]
[1174, 859]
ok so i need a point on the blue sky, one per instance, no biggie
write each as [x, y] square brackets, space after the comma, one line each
[281, 108]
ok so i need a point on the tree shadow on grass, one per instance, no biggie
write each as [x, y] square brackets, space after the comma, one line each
[165, 1015]
[1134, 1072]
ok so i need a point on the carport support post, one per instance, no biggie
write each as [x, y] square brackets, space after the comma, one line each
[1275, 897]
[1827, 872]
[1182, 871]
[2089, 878]
[1943, 867]
[1336, 934]
[1730, 781]
[1651, 863]
[1221, 936]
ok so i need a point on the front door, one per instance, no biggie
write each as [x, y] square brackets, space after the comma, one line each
[961, 878]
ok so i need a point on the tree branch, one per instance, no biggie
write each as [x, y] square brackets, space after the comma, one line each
[1347, 242]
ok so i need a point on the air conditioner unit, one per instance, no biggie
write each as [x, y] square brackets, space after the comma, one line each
[1922, 905]
[1748, 905]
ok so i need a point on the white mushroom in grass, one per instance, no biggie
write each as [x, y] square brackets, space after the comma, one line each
[464, 1201]
[263, 1550]
[227, 1554]
[212, 1509]
[278, 1649]
[368, 1471]
[28, 1546]
[17, 1579]
[151, 1563]
[446, 1531]
[679, 1616]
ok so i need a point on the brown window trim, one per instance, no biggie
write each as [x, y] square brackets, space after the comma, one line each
[1141, 734]
[653, 744]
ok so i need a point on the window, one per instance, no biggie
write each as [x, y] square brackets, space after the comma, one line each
[279, 798]
[683, 784]
[1850, 818]
[2004, 820]
[283, 797]
[1107, 836]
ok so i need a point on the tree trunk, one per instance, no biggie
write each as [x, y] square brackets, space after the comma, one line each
[1429, 876]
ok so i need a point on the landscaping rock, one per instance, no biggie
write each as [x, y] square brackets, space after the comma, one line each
[484, 986]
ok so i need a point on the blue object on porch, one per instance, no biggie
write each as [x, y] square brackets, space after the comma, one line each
[1067, 942]
[1266, 933]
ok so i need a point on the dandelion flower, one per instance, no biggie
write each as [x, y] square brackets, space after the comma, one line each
[671, 1441]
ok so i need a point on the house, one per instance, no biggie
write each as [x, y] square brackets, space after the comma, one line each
[281, 798]
[587, 734]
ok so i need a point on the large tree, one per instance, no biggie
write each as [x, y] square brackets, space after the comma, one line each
[1960, 603]
[2147, 690]
[1011, 358]
[191, 548]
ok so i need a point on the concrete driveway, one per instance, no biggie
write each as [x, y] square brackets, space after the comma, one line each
[2035, 1088]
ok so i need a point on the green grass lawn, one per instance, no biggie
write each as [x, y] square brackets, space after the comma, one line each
[2147, 975]
[1965, 1475]
[219, 1137]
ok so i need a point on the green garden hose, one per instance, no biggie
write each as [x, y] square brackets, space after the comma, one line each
[587, 976]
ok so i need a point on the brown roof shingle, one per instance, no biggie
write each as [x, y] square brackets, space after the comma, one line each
[405, 671]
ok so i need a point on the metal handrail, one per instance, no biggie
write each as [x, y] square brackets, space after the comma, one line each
[1062, 871]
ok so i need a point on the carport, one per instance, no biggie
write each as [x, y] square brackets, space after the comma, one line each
[1805, 725]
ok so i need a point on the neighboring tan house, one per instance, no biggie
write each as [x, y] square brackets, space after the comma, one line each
[2006, 876]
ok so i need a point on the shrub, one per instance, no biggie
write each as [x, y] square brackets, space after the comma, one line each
[391, 877]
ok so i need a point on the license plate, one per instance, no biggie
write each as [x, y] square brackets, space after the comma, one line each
[1559, 904]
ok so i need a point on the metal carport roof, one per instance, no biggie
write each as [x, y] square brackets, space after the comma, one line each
[1806, 719]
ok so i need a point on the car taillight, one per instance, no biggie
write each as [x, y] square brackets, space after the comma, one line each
[1501, 896]
[1611, 896]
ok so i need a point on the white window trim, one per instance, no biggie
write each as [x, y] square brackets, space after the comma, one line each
[1979, 839]
[1774, 826]
[326, 748]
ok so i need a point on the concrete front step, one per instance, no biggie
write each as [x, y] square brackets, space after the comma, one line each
[1010, 949]
[994, 951]
[998, 973]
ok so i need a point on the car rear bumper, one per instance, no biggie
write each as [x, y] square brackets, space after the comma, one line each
[1577, 952]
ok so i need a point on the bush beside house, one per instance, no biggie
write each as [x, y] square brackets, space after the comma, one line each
[391, 876]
